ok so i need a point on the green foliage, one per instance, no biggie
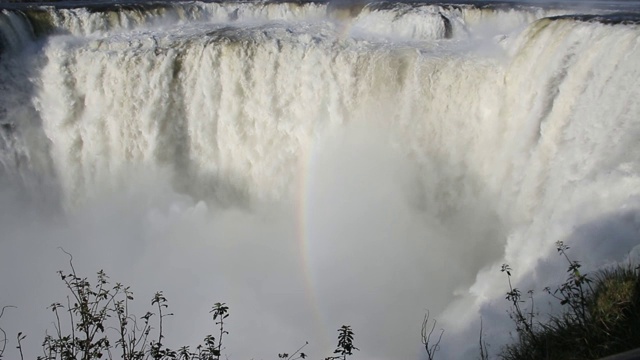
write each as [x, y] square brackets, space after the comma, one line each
[522, 319]
[345, 344]
[601, 317]
[220, 311]
[95, 323]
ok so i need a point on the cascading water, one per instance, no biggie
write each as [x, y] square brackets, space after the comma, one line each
[317, 164]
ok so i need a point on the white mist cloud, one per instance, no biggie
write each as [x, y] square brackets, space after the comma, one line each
[378, 257]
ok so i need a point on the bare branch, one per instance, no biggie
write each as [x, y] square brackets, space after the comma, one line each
[4, 334]
[431, 348]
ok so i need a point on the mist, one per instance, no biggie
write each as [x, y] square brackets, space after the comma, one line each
[368, 254]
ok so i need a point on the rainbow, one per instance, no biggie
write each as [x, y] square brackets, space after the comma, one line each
[305, 237]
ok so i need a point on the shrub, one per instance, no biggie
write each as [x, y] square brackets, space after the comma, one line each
[95, 323]
[601, 317]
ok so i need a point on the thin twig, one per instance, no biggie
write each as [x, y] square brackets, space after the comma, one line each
[426, 337]
[297, 351]
[4, 334]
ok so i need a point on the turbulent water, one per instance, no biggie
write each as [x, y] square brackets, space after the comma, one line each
[315, 164]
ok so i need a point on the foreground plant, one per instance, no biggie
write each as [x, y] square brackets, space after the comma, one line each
[298, 354]
[601, 315]
[95, 322]
[430, 346]
[3, 338]
[345, 344]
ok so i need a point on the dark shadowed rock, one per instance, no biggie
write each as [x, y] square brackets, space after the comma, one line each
[629, 355]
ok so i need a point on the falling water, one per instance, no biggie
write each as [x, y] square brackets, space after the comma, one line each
[316, 164]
